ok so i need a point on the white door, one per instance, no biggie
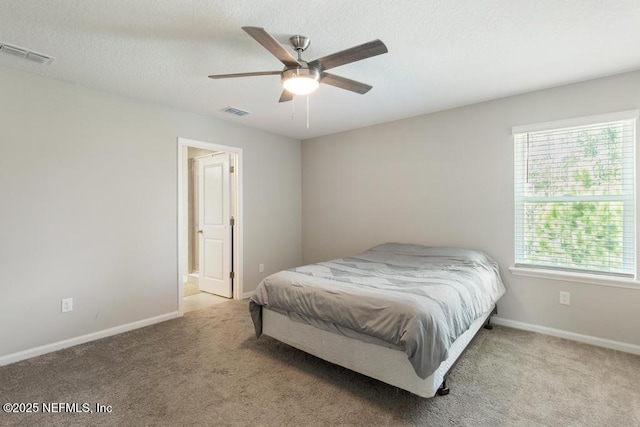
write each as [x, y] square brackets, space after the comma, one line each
[215, 225]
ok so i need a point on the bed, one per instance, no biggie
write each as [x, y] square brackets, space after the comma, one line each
[400, 313]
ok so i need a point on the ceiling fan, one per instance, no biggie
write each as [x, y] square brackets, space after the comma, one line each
[300, 77]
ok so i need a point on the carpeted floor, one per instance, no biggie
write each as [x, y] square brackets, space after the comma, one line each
[207, 368]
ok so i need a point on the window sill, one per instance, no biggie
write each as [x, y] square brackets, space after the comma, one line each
[591, 279]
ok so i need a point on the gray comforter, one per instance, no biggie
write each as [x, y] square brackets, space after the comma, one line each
[414, 298]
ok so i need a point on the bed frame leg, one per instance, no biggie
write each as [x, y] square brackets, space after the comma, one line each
[488, 324]
[444, 389]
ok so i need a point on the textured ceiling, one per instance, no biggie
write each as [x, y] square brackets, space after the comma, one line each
[442, 53]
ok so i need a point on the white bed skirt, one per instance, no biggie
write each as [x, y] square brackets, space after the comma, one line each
[382, 363]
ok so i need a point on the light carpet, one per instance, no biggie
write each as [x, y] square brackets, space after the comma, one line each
[207, 368]
[189, 289]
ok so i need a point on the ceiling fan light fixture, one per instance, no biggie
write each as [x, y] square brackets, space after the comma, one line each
[300, 81]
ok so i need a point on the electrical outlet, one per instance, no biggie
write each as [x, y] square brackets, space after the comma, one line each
[261, 268]
[565, 298]
[67, 305]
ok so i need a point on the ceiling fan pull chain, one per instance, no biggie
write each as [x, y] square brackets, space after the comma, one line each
[293, 108]
[307, 111]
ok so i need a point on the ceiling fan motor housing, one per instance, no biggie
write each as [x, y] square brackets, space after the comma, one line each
[304, 71]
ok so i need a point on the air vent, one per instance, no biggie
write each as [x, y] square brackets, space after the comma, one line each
[12, 50]
[25, 53]
[236, 111]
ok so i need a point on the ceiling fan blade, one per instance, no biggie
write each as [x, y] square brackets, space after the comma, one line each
[345, 83]
[286, 96]
[272, 45]
[256, 73]
[356, 53]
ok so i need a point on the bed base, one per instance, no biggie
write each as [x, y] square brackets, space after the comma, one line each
[382, 363]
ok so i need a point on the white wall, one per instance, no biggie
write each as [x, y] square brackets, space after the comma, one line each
[88, 207]
[447, 179]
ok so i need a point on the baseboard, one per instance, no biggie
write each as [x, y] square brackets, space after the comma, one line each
[192, 278]
[248, 295]
[38, 351]
[587, 339]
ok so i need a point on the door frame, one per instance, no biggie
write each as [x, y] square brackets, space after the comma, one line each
[236, 185]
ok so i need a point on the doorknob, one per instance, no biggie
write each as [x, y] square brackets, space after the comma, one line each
[200, 231]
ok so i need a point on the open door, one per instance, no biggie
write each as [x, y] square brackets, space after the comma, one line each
[215, 225]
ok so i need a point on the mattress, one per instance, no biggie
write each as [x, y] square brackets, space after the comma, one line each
[412, 299]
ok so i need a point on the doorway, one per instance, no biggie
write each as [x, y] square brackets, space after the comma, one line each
[209, 224]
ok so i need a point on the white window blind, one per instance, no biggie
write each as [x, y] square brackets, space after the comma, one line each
[575, 196]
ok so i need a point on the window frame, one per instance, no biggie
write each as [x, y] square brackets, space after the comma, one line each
[630, 215]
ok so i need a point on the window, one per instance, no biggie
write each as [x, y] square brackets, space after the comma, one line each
[575, 195]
